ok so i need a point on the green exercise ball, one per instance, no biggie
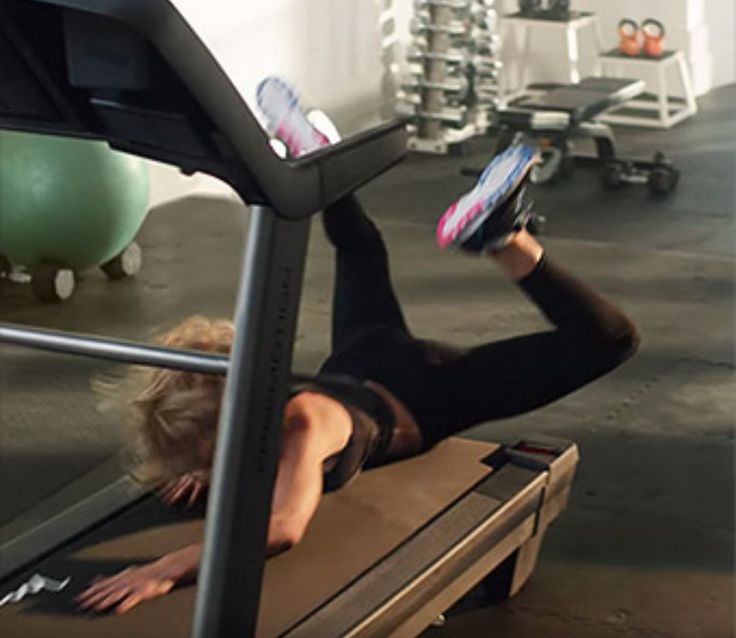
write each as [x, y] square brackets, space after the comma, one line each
[67, 201]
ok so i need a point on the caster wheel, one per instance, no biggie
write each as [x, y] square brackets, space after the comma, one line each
[52, 283]
[612, 176]
[662, 181]
[124, 265]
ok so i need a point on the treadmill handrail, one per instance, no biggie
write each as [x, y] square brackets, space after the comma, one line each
[124, 351]
[117, 350]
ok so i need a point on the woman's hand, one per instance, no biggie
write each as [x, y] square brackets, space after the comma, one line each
[135, 585]
[190, 487]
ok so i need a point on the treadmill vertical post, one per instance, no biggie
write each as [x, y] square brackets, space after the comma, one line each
[231, 570]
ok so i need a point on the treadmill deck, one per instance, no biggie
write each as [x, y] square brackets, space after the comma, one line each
[353, 532]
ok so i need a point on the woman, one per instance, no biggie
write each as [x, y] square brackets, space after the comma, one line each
[382, 394]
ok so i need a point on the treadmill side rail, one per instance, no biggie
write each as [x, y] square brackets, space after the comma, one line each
[505, 514]
[554, 501]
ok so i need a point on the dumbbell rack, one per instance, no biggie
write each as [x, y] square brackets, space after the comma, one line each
[453, 79]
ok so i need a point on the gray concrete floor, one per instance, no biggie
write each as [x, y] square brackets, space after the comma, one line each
[646, 547]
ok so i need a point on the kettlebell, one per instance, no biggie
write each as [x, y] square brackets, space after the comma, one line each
[530, 8]
[629, 40]
[653, 31]
[559, 9]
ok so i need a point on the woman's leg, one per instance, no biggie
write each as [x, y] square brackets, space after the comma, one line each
[363, 293]
[590, 337]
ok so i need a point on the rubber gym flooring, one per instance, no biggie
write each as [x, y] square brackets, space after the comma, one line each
[646, 548]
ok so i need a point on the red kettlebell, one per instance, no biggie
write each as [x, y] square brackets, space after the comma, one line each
[629, 41]
[653, 31]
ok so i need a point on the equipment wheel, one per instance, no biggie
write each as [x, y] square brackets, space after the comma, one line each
[549, 168]
[663, 180]
[612, 175]
[124, 265]
[52, 283]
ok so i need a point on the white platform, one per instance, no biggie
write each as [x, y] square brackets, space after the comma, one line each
[669, 108]
[527, 30]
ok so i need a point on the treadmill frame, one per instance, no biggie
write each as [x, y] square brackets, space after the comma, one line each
[503, 518]
[501, 521]
[213, 132]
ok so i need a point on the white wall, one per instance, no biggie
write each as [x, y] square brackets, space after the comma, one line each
[330, 49]
[719, 27]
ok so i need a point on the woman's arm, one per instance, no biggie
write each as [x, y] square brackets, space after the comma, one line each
[315, 428]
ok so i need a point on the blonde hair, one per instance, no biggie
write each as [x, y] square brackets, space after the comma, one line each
[173, 413]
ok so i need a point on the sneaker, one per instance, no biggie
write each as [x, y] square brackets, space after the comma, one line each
[287, 121]
[496, 208]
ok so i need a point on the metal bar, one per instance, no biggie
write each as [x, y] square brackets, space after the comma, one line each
[229, 590]
[120, 351]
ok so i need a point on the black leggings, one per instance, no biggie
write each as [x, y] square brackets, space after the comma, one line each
[448, 389]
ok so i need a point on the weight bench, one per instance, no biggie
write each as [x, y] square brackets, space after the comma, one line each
[557, 115]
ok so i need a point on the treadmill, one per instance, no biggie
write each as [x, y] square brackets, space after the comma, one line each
[385, 555]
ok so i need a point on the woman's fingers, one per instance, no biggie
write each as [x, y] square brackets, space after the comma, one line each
[149, 591]
[100, 585]
[182, 491]
[125, 595]
[173, 486]
[130, 602]
[196, 493]
[111, 599]
[186, 487]
[91, 597]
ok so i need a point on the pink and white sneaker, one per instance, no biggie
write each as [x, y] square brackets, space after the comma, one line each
[286, 120]
[484, 206]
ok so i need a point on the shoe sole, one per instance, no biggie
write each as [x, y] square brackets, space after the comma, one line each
[286, 119]
[496, 184]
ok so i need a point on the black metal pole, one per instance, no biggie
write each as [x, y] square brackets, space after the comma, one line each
[229, 589]
[122, 351]
[117, 350]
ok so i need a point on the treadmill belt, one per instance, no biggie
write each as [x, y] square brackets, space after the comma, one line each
[353, 529]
